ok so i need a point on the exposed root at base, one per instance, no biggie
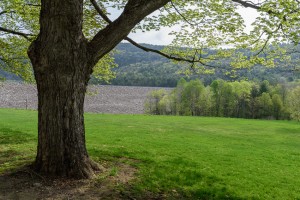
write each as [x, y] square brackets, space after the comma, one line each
[28, 184]
[85, 169]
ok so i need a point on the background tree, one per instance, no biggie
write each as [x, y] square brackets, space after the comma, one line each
[265, 105]
[294, 103]
[277, 106]
[153, 104]
[191, 97]
[253, 106]
[235, 99]
[178, 97]
[215, 86]
[205, 102]
[242, 91]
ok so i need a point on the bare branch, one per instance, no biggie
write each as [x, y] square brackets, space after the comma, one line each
[16, 33]
[247, 4]
[100, 12]
[33, 5]
[192, 61]
[264, 46]
[3, 12]
[181, 15]
[268, 39]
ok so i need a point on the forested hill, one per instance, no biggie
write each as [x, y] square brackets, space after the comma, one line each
[140, 68]
[128, 54]
[6, 75]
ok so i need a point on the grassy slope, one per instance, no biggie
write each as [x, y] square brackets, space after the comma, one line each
[213, 158]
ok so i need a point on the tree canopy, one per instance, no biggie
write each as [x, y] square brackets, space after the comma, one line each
[197, 25]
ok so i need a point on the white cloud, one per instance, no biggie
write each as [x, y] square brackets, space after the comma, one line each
[161, 37]
[249, 16]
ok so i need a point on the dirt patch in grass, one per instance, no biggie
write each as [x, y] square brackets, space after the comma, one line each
[112, 183]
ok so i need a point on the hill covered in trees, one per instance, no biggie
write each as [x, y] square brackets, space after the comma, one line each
[7, 75]
[139, 68]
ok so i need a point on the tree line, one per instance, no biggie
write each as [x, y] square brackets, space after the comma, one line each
[238, 99]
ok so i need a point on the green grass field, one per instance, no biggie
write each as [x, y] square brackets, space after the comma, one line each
[184, 157]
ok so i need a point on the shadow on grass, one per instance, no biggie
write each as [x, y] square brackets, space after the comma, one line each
[176, 178]
[26, 184]
[16, 149]
[11, 136]
[207, 192]
[180, 178]
[11, 160]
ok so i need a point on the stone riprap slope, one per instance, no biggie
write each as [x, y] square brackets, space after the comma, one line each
[99, 99]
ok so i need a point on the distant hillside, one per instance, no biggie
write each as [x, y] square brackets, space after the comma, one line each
[140, 68]
[8, 76]
[128, 54]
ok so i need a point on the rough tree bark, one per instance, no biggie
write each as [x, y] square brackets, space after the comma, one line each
[59, 58]
[62, 60]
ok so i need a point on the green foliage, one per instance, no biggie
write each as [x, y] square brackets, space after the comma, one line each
[240, 99]
[265, 105]
[277, 105]
[264, 87]
[191, 97]
[217, 24]
[155, 103]
[23, 16]
[294, 103]
[178, 157]
[102, 70]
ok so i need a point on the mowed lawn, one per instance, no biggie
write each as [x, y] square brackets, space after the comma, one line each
[179, 157]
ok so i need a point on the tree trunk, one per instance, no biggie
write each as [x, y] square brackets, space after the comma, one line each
[60, 61]
[61, 138]
[62, 84]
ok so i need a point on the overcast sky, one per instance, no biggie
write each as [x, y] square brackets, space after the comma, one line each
[162, 38]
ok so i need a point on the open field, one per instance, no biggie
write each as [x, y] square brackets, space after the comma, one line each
[163, 157]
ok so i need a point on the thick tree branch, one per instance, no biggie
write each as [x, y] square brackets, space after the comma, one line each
[26, 36]
[116, 31]
[192, 61]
